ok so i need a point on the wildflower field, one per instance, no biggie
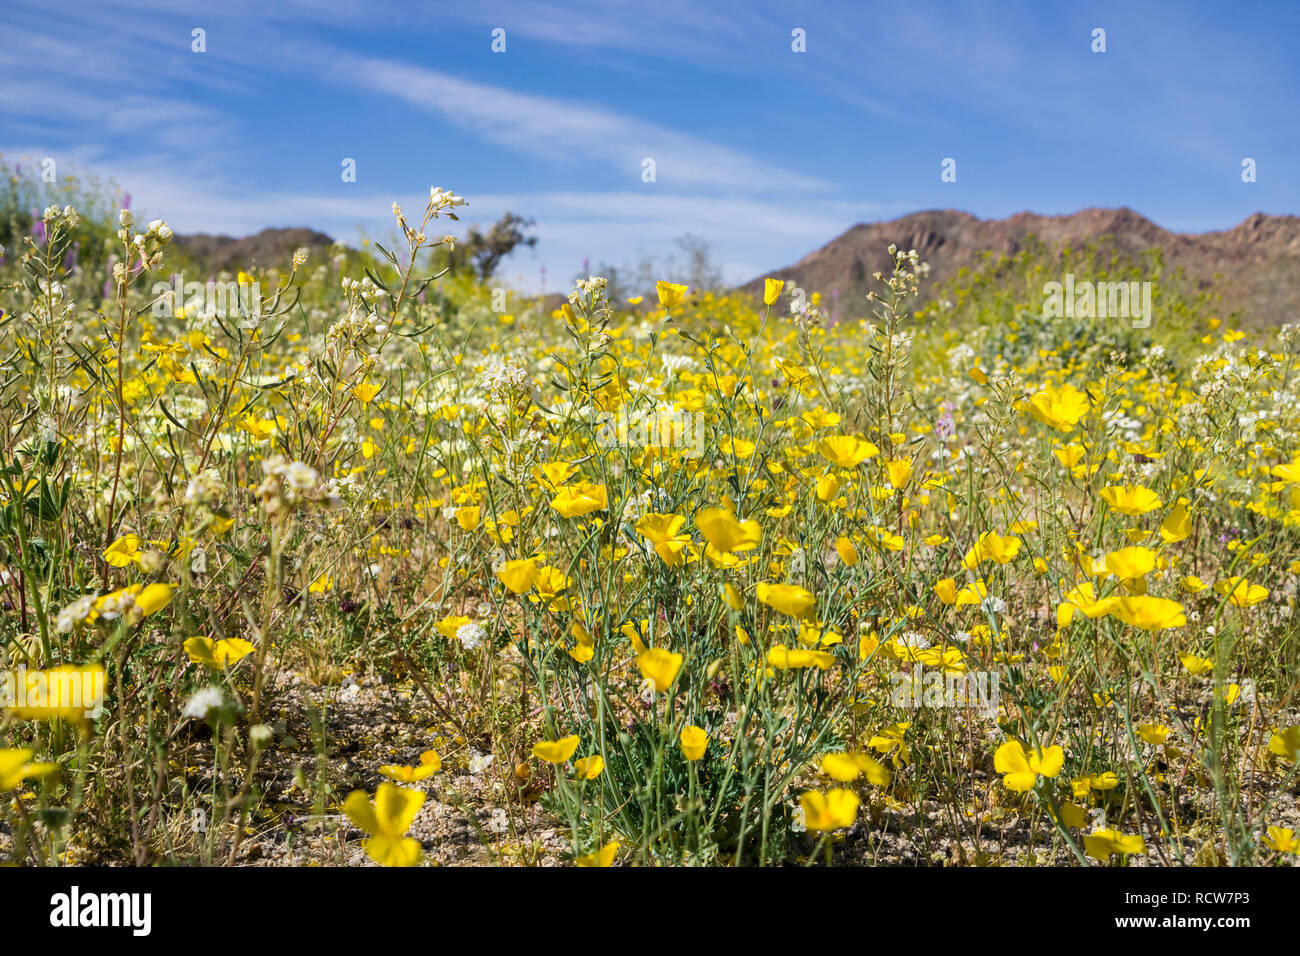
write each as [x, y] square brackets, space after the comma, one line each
[395, 568]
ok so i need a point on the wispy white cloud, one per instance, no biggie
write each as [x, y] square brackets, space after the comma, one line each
[747, 207]
[115, 87]
[568, 132]
[620, 228]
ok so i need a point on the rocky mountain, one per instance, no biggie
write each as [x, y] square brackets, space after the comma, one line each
[1255, 266]
[270, 248]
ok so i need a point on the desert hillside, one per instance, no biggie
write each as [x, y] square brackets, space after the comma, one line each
[269, 248]
[1255, 266]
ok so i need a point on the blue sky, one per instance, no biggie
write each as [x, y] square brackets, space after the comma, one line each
[764, 152]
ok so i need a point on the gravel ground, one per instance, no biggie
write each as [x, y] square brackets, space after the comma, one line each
[476, 815]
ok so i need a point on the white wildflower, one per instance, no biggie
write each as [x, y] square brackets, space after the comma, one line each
[203, 702]
[470, 635]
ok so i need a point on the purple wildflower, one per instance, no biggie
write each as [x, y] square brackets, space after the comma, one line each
[945, 427]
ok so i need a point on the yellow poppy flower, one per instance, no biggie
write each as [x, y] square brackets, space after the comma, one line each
[1241, 592]
[556, 751]
[847, 767]
[832, 810]
[1149, 613]
[991, 546]
[899, 471]
[659, 666]
[670, 294]
[574, 501]
[695, 740]
[1131, 563]
[124, 551]
[846, 451]
[1101, 844]
[789, 599]
[663, 533]
[519, 575]
[725, 533]
[430, 763]
[468, 517]
[1282, 839]
[602, 857]
[1020, 770]
[220, 653]
[1286, 743]
[789, 659]
[386, 821]
[15, 768]
[1061, 408]
[1131, 500]
[772, 290]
